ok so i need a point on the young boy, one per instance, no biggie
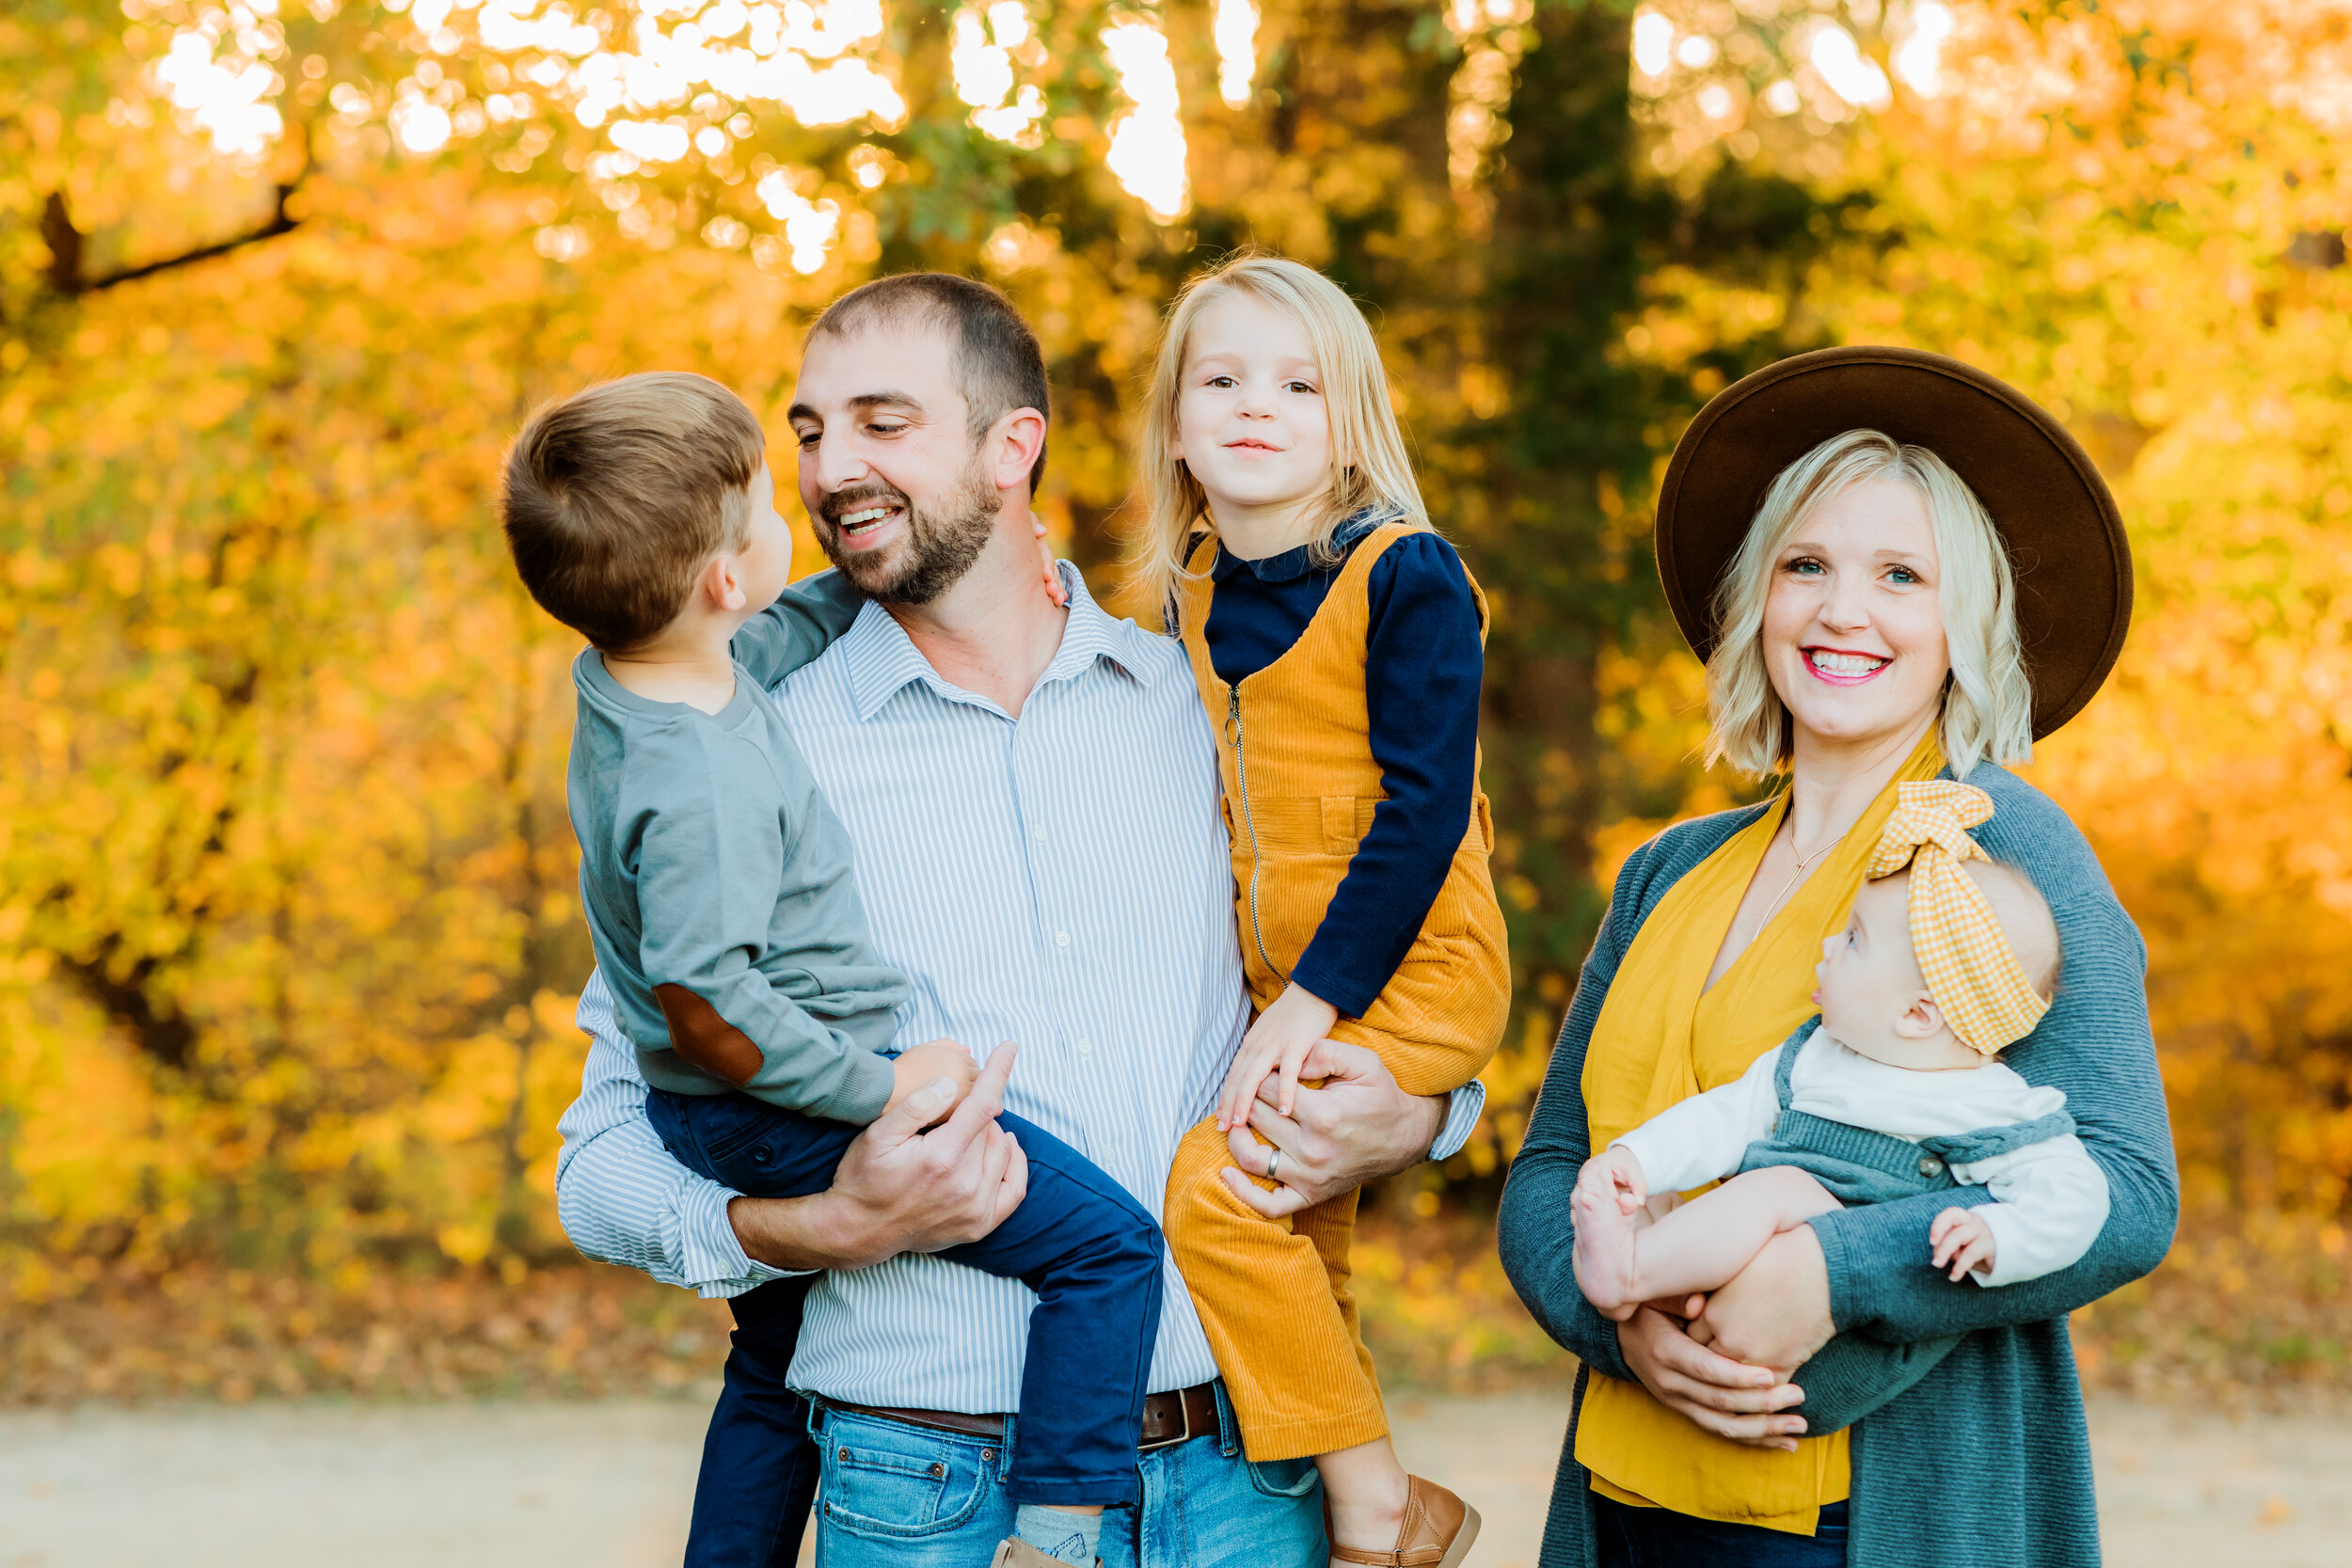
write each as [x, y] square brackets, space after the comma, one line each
[1947, 958]
[718, 890]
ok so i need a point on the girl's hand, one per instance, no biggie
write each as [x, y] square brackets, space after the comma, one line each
[1962, 1238]
[1745, 1404]
[1614, 1176]
[1054, 589]
[1279, 1041]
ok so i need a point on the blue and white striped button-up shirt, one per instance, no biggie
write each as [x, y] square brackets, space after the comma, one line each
[1061, 879]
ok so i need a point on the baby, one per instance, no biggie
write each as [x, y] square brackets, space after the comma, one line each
[1895, 1089]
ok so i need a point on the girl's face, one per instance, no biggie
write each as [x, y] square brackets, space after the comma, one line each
[1854, 629]
[1252, 425]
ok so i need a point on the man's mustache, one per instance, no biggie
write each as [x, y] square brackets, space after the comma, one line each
[842, 501]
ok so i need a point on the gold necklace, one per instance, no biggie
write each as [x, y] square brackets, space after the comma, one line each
[1804, 864]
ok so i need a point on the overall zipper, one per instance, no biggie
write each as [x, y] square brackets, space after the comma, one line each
[1241, 770]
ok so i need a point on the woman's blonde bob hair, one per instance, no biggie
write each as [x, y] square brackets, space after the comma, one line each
[1988, 700]
[1369, 465]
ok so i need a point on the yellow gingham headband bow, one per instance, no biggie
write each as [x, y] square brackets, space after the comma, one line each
[1970, 970]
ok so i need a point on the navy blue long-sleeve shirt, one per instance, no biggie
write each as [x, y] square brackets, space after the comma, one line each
[1422, 667]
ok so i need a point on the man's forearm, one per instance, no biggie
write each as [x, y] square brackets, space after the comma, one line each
[803, 1235]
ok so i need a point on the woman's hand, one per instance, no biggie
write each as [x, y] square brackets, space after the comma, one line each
[1775, 1312]
[1731, 1399]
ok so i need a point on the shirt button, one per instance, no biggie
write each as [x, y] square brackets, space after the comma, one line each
[1038, 834]
[1086, 1048]
[1062, 939]
[1929, 1165]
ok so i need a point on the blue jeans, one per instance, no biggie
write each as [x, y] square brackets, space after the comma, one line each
[895, 1495]
[1661, 1538]
[1088, 1249]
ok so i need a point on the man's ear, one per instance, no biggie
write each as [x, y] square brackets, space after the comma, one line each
[1013, 444]
[1921, 1021]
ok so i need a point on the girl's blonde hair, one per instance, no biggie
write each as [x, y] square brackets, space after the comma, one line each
[1369, 465]
[1988, 700]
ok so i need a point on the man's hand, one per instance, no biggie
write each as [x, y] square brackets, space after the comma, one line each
[1357, 1126]
[900, 1189]
[933, 1062]
[1775, 1312]
[1277, 1044]
[1962, 1238]
[1732, 1400]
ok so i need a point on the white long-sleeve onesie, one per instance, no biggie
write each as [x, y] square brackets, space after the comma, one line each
[2050, 1197]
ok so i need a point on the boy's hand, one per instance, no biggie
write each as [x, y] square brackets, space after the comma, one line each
[928, 1062]
[1962, 1239]
[1613, 1176]
[1053, 590]
[1279, 1041]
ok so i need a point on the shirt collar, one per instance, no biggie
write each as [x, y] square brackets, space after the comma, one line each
[1292, 564]
[883, 659]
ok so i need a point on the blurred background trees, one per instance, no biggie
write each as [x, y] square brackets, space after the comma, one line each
[288, 937]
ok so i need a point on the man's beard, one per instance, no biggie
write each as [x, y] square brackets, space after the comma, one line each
[935, 552]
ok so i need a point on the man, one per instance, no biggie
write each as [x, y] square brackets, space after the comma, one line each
[1032, 792]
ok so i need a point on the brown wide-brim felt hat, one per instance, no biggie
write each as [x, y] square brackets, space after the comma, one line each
[2065, 538]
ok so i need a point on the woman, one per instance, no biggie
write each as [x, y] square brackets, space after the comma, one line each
[1842, 1402]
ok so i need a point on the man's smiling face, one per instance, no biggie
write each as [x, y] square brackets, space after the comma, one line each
[895, 484]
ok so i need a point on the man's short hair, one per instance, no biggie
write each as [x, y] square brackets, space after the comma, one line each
[998, 365]
[616, 496]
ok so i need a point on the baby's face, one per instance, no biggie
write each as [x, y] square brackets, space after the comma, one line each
[1873, 999]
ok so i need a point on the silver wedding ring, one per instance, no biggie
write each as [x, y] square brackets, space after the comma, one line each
[1272, 1164]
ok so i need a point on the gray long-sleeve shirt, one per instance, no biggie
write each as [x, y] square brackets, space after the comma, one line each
[708, 860]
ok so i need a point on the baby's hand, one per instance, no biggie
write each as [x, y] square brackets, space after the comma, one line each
[1614, 1176]
[928, 1062]
[1280, 1040]
[1962, 1239]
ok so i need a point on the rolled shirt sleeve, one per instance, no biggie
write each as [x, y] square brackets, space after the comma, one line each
[1464, 1106]
[621, 1196]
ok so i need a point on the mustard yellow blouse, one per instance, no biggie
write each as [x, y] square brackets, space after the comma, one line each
[1664, 1034]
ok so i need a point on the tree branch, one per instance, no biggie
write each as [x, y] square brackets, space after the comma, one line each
[166, 1038]
[67, 243]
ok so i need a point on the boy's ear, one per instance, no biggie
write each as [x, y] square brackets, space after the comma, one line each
[719, 585]
[1921, 1021]
[1013, 444]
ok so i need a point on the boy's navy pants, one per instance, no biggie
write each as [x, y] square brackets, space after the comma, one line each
[1079, 1240]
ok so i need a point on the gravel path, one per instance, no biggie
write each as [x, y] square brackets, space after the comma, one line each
[607, 1485]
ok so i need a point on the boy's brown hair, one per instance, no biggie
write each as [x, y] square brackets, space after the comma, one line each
[618, 495]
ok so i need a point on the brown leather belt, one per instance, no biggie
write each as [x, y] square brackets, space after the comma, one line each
[1167, 1418]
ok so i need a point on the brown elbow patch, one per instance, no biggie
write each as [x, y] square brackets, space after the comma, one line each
[708, 1041]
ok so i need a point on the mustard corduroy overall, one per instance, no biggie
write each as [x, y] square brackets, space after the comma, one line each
[1293, 742]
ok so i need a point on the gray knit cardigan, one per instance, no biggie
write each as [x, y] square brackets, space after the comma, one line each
[1969, 1446]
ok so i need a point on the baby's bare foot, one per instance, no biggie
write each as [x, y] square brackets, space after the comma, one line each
[1604, 1253]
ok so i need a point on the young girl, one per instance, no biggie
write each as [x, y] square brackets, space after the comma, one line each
[1337, 641]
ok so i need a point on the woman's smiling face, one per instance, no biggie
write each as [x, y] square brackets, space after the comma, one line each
[1853, 628]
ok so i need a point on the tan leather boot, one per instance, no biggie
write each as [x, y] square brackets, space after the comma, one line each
[1438, 1531]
